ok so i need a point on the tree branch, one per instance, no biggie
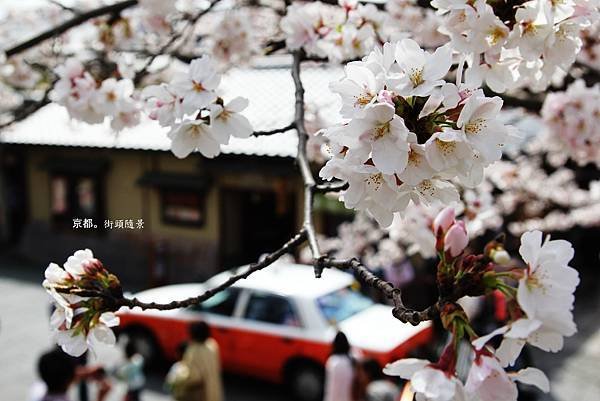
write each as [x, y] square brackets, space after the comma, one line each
[289, 246]
[335, 186]
[400, 311]
[191, 22]
[276, 130]
[303, 163]
[73, 22]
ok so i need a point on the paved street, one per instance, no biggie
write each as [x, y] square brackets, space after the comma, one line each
[24, 335]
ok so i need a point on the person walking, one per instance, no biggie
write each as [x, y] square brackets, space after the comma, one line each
[339, 371]
[197, 377]
[59, 371]
[132, 373]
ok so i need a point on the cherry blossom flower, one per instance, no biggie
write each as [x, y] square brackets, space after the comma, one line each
[358, 89]
[417, 168]
[428, 382]
[198, 118]
[197, 87]
[111, 94]
[162, 104]
[76, 323]
[423, 71]
[481, 128]
[546, 290]
[76, 343]
[385, 135]
[545, 294]
[488, 381]
[190, 135]
[226, 121]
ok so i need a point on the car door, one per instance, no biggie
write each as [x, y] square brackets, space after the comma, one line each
[270, 333]
[220, 312]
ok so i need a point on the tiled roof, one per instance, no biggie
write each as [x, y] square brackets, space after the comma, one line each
[269, 90]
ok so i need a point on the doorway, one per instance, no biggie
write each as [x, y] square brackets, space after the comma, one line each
[254, 222]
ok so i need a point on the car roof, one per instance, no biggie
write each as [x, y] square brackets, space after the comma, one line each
[282, 278]
[288, 279]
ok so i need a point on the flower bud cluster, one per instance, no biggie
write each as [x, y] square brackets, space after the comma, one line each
[79, 321]
[540, 314]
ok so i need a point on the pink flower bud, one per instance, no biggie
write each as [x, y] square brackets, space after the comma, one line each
[443, 220]
[456, 239]
[385, 97]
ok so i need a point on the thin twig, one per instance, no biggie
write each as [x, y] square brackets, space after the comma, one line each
[335, 186]
[73, 22]
[303, 163]
[190, 23]
[276, 130]
[64, 7]
[400, 311]
[289, 246]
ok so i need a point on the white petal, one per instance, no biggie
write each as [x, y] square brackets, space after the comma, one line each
[509, 350]
[531, 242]
[238, 104]
[405, 368]
[480, 342]
[109, 319]
[534, 377]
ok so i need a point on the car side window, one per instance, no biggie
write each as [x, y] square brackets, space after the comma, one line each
[271, 309]
[222, 303]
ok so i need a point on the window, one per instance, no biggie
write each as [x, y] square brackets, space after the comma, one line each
[222, 303]
[183, 208]
[271, 309]
[342, 304]
[75, 197]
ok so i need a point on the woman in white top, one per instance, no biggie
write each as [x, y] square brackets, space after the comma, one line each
[339, 371]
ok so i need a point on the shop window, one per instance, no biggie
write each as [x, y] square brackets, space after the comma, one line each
[75, 197]
[271, 309]
[184, 208]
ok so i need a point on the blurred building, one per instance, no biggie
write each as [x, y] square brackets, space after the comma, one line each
[151, 217]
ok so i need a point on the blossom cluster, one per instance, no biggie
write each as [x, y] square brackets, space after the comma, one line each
[408, 18]
[573, 118]
[508, 47]
[409, 132]
[540, 314]
[91, 100]
[80, 322]
[197, 116]
[545, 200]
[343, 32]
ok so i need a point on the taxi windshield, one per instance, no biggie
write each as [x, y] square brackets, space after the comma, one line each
[342, 304]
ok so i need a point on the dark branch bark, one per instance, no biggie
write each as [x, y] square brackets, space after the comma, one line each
[27, 108]
[254, 267]
[73, 22]
[303, 163]
[400, 311]
[276, 130]
[335, 186]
